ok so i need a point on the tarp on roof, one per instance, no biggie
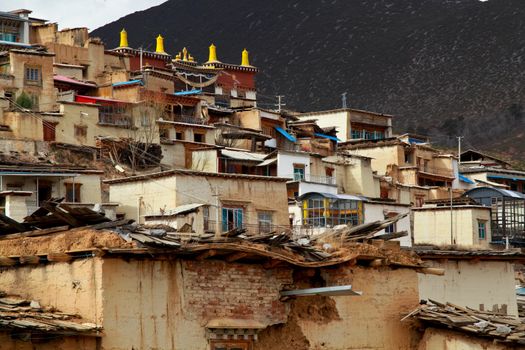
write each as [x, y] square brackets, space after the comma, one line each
[285, 134]
[466, 179]
[333, 196]
[189, 92]
[333, 138]
[241, 155]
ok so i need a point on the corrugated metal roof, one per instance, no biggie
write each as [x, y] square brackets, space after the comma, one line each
[268, 162]
[489, 192]
[334, 196]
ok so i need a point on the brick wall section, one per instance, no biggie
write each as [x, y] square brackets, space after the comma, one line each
[215, 289]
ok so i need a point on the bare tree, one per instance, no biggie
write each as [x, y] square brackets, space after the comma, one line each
[143, 134]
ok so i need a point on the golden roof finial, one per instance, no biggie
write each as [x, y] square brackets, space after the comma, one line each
[190, 58]
[160, 45]
[184, 54]
[245, 60]
[123, 38]
[213, 54]
[178, 56]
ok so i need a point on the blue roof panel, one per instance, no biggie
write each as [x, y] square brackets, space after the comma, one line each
[285, 134]
[131, 82]
[333, 138]
[466, 179]
[189, 92]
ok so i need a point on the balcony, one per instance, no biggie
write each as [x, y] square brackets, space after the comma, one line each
[318, 179]
[115, 119]
[442, 172]
[189, 119]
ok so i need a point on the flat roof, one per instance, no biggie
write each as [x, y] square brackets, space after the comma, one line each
[186, 172]
[343, 110]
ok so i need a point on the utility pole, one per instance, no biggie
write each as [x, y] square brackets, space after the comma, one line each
[280, 103]
[459, 148]
[141, 58]
[343, 98]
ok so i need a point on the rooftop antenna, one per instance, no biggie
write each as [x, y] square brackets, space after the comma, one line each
[280, 103]
[343, 98]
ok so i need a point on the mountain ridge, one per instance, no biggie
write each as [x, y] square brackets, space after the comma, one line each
[443, 68]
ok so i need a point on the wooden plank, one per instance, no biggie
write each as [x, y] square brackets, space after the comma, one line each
[35, 233]
[62, 215]
[7, 261]
[13, 223]
[236, 256]
[207, 254]
[272, 263]
[111, 224]
[59, 257]
[29, 259]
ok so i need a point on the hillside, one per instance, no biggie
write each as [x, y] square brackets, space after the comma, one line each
[442, 67]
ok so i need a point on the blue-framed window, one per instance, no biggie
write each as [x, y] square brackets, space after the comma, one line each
[232, 218]
[482, 229]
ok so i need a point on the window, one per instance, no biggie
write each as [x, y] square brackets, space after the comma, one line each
[232, 218]
[198, 137]
[164, 133]
[179, 135]
[33, 75]
[145, 120]
[390, 228]
[482, 229]
[206, 218]
[409, 157]
[73, 192]
[357, 134]
[378, 135]
[298, 172]
[329, 171]
[420, 200]
[2, 205]
[322, 212]
[265, 221]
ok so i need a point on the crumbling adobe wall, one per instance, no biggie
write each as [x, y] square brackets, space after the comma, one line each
[166, 304]
[442, 339]
[370, 321]
[73, 287]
